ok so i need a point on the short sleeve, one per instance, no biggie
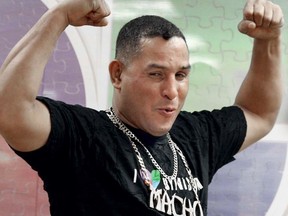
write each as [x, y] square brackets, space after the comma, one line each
[71, 130]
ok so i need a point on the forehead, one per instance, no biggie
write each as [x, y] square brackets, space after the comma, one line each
[159, 49]
[155, 43]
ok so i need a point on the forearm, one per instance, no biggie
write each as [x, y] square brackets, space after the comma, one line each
[22, 71]
[261, 91]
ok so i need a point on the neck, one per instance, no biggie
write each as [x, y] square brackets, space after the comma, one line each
[147, 138]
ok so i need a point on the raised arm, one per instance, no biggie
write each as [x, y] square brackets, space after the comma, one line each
[25, 122]
[260, 95]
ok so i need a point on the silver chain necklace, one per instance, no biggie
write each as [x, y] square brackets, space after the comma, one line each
[173, 146]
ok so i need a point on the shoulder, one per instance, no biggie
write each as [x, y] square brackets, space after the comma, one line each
[74, 117]
[225, 113]
[56, 107]
[203, 121]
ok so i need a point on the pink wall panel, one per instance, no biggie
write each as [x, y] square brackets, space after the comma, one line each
[21, 190]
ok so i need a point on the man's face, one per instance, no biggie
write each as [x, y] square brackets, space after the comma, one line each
[154, 85]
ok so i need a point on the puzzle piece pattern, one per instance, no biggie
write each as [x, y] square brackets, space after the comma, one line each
[21, 190]
[249, 181]
[62, 79]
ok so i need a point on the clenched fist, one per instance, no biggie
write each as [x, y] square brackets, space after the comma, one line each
[85, 12]
[261, 19]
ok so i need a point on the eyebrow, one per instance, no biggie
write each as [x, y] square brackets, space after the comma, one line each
[188, 67]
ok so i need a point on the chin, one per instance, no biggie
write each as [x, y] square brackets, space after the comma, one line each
[160, 131]
[159, 126]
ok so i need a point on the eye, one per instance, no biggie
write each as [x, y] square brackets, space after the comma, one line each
[156, 74]
[181, 75]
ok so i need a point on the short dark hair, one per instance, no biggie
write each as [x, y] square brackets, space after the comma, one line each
[128, 42]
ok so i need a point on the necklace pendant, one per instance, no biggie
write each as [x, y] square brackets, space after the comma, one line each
[146, 177]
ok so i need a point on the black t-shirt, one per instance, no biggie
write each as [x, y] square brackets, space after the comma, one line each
[89, 167]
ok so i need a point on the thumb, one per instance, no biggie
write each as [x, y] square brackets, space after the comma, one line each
[245, 26]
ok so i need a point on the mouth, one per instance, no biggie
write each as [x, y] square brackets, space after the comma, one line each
[167, 110]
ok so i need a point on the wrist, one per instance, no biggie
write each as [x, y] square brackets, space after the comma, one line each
[57, 17]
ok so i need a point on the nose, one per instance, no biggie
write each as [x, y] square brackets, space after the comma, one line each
[170, 88]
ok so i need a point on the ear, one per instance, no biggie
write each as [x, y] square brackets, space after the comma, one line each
[115, 70]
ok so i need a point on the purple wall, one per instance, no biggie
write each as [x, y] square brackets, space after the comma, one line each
[62, 79]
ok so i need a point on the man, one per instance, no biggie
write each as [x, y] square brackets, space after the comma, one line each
[143, 156]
